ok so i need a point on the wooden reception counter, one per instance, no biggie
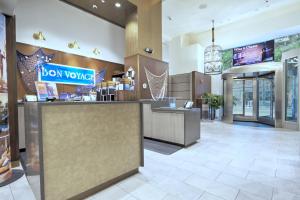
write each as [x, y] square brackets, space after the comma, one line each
[76, 149]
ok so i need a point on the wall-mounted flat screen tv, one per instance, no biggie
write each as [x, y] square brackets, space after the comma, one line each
[252, 54]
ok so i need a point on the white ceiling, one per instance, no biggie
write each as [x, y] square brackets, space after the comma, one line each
[8, 6]
[187, 17]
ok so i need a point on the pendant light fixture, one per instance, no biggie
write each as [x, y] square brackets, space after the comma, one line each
[213, 56]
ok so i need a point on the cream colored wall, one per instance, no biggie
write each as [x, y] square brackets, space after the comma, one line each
[185, 53]
[265, 26]
[185, 58]
[62, 23]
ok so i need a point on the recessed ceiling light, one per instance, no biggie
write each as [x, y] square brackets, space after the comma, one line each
[118, 5]
[95, 6]
[102, 1]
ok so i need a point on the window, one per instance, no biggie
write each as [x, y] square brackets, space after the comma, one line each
[238, 97]
[248, 97]
[291, 89]
[243, 97]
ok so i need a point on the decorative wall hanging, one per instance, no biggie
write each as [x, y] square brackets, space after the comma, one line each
[100, 76]
[213, 57]
[157, 84]
[29, 65]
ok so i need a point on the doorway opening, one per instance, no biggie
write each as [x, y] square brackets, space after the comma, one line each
[254, 98]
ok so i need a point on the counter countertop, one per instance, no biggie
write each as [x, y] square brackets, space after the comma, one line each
[169, 109]
[55, 103]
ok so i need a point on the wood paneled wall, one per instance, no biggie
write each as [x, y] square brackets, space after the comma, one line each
[201, 84]
[189, 86]
[138, 63]
[145, 29]
[67, 59]
[12, 88]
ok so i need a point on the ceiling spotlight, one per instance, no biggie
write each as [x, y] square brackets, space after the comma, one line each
[73, 45]
[118, 5]
[96, 51]
[102, 1]
[95, 6]
[39, 36]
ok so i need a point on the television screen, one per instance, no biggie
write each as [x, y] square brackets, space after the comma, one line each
[252, 54]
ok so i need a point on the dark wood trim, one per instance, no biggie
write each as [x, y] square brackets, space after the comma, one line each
[194, 86]
[142, 134]
[104, 185]
[12, 86]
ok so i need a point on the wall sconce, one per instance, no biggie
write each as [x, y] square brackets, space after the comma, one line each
[148, 50]
[38, 36]
[96, 51]
[73, 45]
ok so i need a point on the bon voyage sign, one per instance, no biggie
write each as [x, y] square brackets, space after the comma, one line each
[56, 73]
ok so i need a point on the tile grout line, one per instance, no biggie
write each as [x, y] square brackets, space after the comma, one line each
[218, 175]
[11, 192]
[237, 194]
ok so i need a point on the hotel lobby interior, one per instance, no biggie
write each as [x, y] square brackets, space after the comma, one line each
[149, 100]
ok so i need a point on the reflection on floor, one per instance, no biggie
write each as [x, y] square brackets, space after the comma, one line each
[230, 162]
[253, 124]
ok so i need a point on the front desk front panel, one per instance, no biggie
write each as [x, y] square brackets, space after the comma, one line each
[77, 147]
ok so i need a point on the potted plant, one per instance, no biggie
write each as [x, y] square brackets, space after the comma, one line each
[215, 102]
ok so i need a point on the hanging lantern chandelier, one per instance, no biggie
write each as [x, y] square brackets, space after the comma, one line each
[213, 57]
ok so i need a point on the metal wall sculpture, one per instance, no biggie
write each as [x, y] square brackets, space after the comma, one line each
[29, 65]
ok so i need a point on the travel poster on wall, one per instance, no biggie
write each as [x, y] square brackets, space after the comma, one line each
[5, 156]
[41, 89]
[52, 90]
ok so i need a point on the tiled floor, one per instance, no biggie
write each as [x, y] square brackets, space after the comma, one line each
[230, 162]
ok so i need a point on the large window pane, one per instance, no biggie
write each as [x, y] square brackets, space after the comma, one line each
[266, 98]
[291, 90]
[238, 97]
[248, 97]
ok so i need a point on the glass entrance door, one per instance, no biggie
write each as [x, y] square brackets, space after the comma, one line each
[266, 99]
[243, 95]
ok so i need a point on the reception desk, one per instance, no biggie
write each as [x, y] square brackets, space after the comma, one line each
[173, 125]
[75, 149]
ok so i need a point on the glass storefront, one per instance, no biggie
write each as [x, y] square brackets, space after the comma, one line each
[291, 90]
[238, 97]
[248, 97]
[266, 103]
[243, 97]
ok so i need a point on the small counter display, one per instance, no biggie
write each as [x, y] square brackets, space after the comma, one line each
[75, 149]
[170, 124]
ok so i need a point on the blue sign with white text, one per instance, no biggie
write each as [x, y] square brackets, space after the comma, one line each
[50, 72]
